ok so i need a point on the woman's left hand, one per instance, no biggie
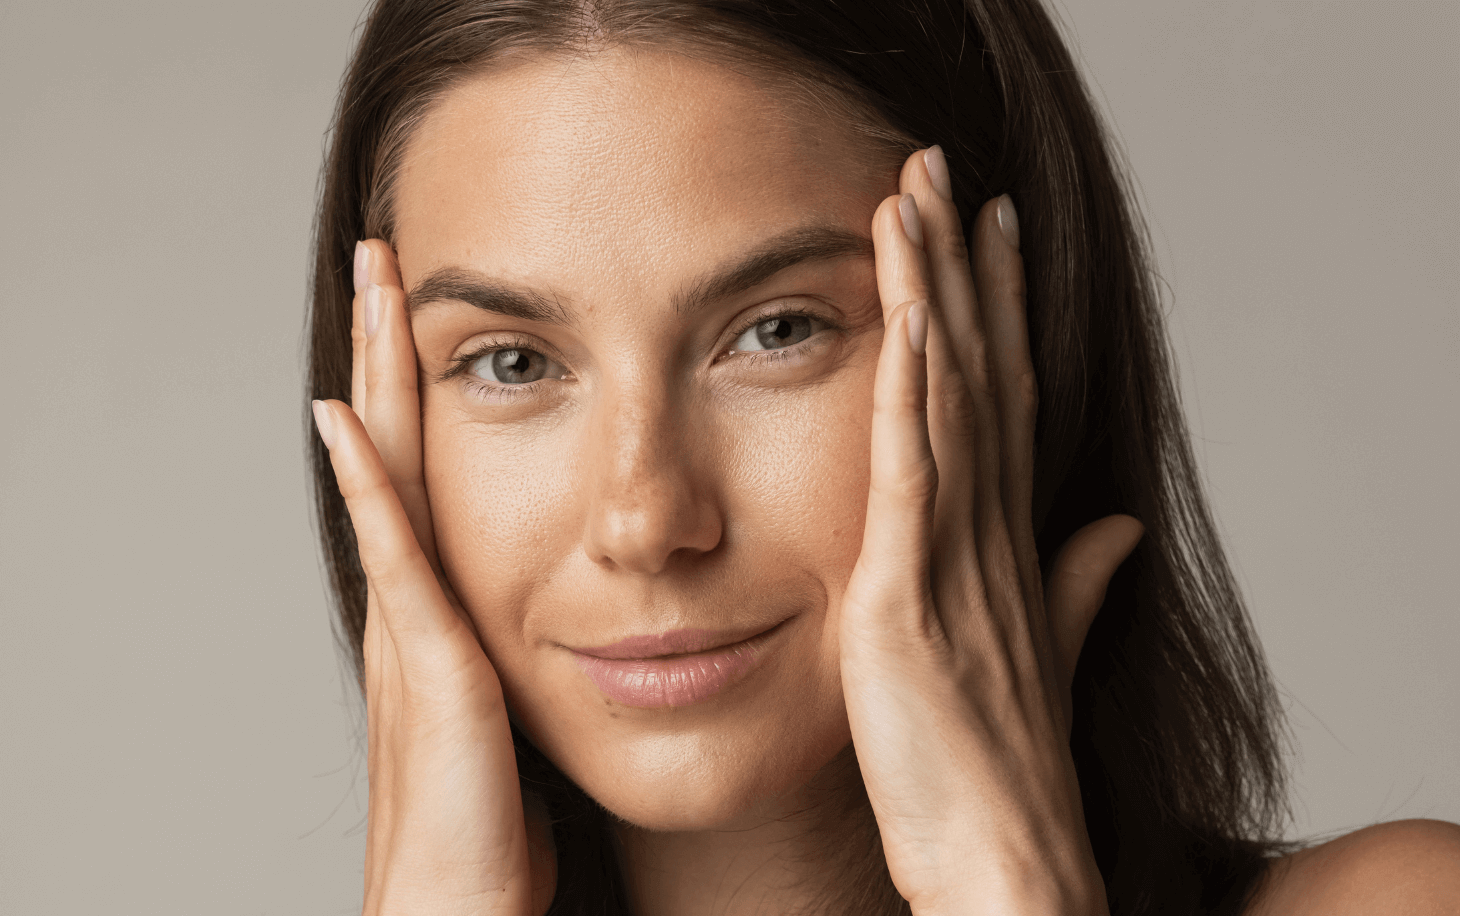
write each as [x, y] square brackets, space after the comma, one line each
[955, 670]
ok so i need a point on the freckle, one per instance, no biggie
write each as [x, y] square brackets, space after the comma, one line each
[613, 715]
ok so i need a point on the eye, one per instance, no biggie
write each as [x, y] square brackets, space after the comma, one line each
[778, 332]
[514, 366]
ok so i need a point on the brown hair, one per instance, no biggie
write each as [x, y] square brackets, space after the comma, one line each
[1176, 729]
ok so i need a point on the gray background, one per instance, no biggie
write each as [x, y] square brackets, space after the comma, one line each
[175, 733]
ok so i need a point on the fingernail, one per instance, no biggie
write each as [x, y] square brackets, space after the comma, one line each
[917, 327]
[912, 224]
[937, 168]
[362, 265]
[324, 423]
[1009, 221]
[373, 301]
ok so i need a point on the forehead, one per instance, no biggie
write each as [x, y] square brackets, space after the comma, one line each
[558, 165]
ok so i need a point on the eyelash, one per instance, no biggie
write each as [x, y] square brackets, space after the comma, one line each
[461, 365]
[771, 356]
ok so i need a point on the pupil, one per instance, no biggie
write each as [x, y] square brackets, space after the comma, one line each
[775, 333]
[517, 366]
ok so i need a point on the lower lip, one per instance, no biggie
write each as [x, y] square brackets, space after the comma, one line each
[681, 680]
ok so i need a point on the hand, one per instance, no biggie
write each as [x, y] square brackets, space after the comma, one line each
[446, 832]
[956, 678]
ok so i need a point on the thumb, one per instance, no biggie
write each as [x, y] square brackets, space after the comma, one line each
[1077, 582]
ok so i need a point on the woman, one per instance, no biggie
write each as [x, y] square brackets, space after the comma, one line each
[691, 518]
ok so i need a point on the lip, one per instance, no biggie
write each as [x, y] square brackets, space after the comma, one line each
[678, 668]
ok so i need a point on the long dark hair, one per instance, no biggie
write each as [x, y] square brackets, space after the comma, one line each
[1176, 734]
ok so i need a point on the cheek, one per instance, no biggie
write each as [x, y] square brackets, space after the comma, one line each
[497, 501]
[806, 466]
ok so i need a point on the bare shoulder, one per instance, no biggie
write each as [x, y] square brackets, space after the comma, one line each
[1403, 867]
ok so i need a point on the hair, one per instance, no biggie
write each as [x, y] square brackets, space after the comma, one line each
[1176, 734]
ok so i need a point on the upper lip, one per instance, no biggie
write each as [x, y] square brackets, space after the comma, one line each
[674, 642]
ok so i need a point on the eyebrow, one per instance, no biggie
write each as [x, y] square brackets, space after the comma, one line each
[750, 269]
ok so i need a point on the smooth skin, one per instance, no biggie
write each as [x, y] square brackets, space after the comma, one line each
[874, 485]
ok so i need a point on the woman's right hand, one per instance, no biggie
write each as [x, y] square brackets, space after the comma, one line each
[446, 831]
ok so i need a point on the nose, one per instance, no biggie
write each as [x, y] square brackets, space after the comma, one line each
[649, 498]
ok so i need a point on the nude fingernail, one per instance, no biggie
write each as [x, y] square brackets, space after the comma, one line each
[362, 265]
[1009, 221]
[324, 423]
[373, 302]
[917, 327]
[912, 224]
[937, 167]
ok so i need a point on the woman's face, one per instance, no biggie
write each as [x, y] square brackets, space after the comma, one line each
[645, 309]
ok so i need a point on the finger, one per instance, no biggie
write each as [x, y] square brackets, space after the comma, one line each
[896, 539]
[392, 415]
[1078, 579]
[903, 276]
[890, 590]
[358, 341]
[412, 605]
[999, 274]
[957, 300]
[925, 176]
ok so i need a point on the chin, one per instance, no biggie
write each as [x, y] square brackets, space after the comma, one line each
[698, 768]
[669, 784]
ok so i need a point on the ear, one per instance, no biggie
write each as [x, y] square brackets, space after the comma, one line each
[1075, 587]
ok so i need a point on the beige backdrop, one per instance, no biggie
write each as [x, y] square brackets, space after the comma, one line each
[175, 734]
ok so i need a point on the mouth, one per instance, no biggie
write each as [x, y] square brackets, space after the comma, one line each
[678, 668]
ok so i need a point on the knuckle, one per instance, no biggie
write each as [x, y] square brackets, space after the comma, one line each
[387, 578]
[914, 482]
[951, 245]
[372, 489]
[977, 364]
[1025, 392]
[1013, 294]
[1079, 573]
[956, 409]
[896, 406]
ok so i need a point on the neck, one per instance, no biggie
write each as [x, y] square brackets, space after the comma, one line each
[811, 852]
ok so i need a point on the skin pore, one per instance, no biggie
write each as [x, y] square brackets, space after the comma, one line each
[691, 453]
